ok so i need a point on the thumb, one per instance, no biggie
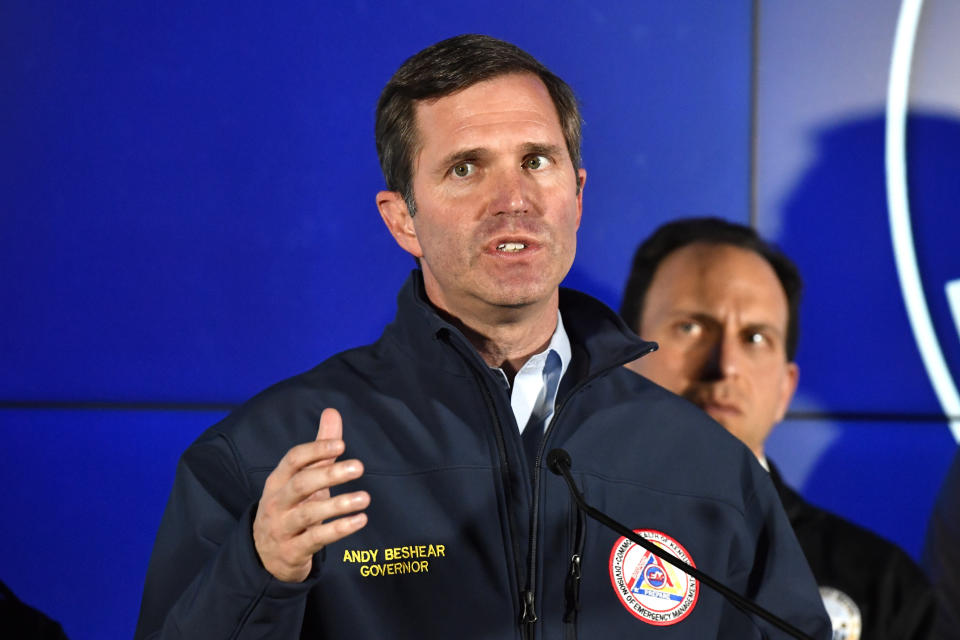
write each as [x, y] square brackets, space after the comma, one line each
[331, 425]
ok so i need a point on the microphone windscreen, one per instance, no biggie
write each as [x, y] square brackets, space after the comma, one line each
[556, 458]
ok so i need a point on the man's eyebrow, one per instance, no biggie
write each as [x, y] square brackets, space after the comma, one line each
[698, 316]
[764, 326]
[689, 312]
[476, 153]
[543, 149]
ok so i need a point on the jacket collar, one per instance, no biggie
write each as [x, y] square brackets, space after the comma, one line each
[594, 329]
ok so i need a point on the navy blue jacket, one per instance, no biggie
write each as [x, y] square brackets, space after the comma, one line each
[464, 539]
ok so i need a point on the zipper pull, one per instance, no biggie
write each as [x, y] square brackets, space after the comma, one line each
[529, 615]
[573, 590]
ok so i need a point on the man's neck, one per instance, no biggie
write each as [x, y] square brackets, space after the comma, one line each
[509, 347]
[507, 337]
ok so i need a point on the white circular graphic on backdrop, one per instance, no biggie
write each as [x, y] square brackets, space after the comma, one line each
[898, 207]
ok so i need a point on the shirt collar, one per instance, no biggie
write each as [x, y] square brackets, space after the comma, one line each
[559, 342]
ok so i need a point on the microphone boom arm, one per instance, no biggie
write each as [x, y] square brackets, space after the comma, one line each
[559, 462]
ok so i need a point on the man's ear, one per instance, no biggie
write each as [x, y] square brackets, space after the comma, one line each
[787, 389]
[581, 183]
[393, 210]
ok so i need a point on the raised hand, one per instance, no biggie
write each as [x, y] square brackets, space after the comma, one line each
[297, 516]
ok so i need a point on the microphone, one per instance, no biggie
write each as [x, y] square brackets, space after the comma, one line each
[559, 462]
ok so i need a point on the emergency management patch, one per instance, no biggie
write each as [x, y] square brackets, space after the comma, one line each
[844, 614]
[650, 588]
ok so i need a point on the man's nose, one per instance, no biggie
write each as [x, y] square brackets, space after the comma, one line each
[724, 359]
[511, 194]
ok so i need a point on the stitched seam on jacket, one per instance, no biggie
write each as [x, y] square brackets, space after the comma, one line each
[241, 469]
[667, 492]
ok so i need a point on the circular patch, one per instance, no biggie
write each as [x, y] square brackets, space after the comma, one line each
[650, 588]
[844, 614]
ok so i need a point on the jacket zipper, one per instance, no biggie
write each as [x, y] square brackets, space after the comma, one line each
[526, 597]
[572, 587]
[529, 599]
[528, 616]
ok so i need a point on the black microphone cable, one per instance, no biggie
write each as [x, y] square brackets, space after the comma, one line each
[559, 462]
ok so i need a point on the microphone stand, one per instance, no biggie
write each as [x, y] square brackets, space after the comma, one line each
[558, 461]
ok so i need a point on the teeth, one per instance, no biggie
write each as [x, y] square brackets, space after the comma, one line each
[511, 246]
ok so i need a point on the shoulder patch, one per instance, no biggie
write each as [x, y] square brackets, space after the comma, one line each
[844, 614]
[652, 589]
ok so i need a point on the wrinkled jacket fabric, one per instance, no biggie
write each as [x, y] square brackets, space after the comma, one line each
[466, 538]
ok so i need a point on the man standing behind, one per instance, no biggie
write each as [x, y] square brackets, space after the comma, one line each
[420, 508]
[723, 305]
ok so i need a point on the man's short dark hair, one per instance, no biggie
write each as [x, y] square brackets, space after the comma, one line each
[680, 233]
[441, 70]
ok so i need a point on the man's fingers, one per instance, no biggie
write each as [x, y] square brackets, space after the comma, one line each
[319, 536]
[331, 425]
[327, 446]
[296, 515]
[307, 482]
[315, 512]
[308, 454]
[330, 429]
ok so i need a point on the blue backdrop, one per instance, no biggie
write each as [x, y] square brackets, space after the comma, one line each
[187, 216]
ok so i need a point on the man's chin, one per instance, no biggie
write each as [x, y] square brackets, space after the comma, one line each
[519, 295]
[729, 418]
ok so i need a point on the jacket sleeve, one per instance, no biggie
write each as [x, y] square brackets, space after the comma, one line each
[780, 580]
[205, 579]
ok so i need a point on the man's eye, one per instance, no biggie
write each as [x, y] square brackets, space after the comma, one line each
[463, 169]
[688, 328]
[536, 162]
[757, 338]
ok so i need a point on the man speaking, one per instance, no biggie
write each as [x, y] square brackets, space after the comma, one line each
[420, 506]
